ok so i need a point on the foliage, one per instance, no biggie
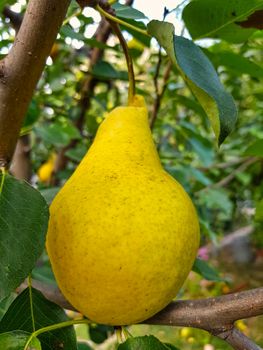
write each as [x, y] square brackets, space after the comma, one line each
[225, 183]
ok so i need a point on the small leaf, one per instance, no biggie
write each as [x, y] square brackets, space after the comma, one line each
[17, 340]
[84, 346]
[106, 71]
[143, 343]
[59, 133]
[218, 19]
[259, 211]
[23, 225]
[99, 333]
[49, 193]
[124, 11]
[46, 313]
[200, 75]
[68, 31]
[143, 38]
[206, 271]
[256, 149]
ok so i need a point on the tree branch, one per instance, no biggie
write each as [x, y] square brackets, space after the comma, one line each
[22, 67]
[215, 315]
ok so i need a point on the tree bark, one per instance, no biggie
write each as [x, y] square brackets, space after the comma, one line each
[20, 70]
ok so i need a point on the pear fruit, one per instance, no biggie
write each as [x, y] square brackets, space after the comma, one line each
[123, 234]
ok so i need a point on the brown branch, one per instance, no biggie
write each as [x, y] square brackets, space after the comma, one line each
[239, 169]
[238, 340]
[22, 67]
[216, 315]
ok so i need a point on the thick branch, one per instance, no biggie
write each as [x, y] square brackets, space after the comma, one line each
[215, 315]
[22, 67]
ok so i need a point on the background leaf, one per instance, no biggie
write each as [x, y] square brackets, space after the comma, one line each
[255, 149]
[143, 343]
[17, 340]
[237, 63]
[23, 225]
[195, 68]
[218, 19]
[59, 133]
[18, 317]
[205, 270]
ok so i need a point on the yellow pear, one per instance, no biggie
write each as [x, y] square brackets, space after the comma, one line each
[123, 234]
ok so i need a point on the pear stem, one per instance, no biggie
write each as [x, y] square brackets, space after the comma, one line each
[117, 30]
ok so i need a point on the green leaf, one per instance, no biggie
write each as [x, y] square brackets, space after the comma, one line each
[99, 333]
[68, 31]
[3, 3]
[237, 63]
[106, 71]
[32, 115]
[143, 343]
[46, 313]
[256, 149]
[143, 38]
[259, 211]
[206, 271]
[23, 225]
[49, 193]
[5, 303]
[17, 340]
[59, 133]
[84, 346]
[124, 11]
[200, 75]
[218, 19]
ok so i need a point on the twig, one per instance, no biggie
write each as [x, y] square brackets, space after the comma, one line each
[22, 67]
[238, 340]
[239, 169]
[159, 94]
[131, 90]
[225, 181]
[215, 315]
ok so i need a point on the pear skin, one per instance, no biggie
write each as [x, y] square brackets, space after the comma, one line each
[123, 234]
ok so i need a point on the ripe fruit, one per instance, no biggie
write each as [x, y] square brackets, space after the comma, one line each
[46, 170]
[123, 234]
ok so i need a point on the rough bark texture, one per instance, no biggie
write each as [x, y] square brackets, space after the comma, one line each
[20, 70]
[215, 315]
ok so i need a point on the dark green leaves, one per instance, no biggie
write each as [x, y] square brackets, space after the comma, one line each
[200, 75]
[205, 270]
[23, 225]
[144, 343]
[18, 317]
[17, 340]
[220, 19]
